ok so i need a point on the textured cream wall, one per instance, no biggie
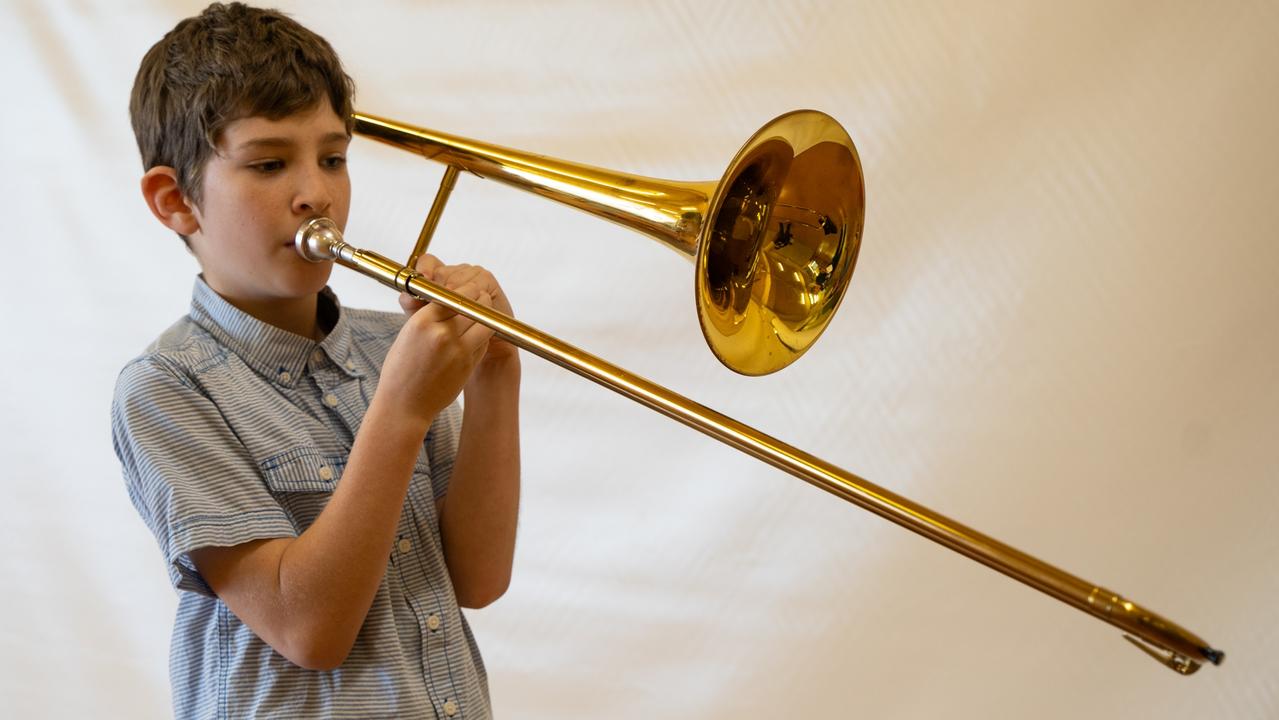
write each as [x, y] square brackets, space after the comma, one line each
[1063, 331]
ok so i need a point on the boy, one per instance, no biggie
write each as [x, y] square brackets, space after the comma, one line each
[323, 504]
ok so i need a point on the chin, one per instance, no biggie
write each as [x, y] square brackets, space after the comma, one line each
[306, 279]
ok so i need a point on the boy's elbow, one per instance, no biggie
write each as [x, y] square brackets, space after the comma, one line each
[477, 601]
[482, 595]
[316, 649]
[322, 659]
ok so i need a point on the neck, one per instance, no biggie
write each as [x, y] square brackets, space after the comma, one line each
[296, 315]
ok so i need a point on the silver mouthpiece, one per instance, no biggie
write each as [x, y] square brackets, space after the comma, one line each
[318, 240]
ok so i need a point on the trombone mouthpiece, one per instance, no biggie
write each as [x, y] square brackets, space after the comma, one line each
[318, 240]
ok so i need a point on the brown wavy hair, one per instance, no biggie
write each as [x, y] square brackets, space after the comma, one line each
[229, 62]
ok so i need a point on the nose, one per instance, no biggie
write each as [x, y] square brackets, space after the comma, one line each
[314, 194]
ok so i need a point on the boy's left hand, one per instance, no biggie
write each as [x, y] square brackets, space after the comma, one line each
[499, 351]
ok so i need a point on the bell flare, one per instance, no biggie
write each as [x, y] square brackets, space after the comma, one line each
[778, 249]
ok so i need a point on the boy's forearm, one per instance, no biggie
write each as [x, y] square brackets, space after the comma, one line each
[308, 596]
[479, 513]
[329, 575]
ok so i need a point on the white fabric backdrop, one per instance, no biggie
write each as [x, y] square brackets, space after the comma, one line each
[1062, 331]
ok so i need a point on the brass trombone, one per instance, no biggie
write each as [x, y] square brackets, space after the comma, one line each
[774, 243]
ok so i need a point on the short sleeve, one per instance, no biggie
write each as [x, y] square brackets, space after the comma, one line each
[441, 447]
[190, 478]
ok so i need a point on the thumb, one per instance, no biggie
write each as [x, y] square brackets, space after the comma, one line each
[410, 304]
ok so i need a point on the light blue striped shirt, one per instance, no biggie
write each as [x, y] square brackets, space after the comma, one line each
[231, 430]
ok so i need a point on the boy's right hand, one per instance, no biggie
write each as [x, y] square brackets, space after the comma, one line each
[435, 352]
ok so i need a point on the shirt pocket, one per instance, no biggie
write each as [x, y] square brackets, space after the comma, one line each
[302, 480]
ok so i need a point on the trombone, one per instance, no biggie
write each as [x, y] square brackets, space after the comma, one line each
[774, 243]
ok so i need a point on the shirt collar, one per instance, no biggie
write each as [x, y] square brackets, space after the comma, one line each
[278, 355]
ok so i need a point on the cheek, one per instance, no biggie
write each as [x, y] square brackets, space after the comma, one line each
[341, 202]
[253, 205]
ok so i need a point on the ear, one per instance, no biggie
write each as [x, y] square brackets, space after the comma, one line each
[167, 203]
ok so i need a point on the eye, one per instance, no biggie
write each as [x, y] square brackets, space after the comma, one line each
[267, 167]
[334, 162]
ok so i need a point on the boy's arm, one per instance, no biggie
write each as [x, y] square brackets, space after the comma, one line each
[308, 596]
[478, 514]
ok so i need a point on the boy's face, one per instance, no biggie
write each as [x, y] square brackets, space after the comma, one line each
[266, 178]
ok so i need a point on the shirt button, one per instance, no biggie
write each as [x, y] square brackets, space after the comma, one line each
[433, 622]
[450, 708]
[331, 400]
[405, 545]
[317, 357]
[350, 365]
[325, 473]
[285, 376]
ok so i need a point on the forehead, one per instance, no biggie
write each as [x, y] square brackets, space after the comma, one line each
[317, 124]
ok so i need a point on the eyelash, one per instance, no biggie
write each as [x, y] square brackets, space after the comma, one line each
[270, 167]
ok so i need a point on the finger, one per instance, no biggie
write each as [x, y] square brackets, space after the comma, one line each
[486, 280]
[457, 275]
[480, 349]
[429, 266]
[500, 301]
[433, 313]
[444, 272]
[475, 295]
[476, 340]
[473, 291]
[459, 325]
[426, 266]
[410, 304]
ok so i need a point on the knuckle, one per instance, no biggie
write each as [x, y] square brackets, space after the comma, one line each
[438, 332]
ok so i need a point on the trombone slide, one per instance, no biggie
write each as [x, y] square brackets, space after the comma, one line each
[319, 240]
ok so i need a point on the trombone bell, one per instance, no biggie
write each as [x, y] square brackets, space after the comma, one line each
[774, 241]
[779, 248]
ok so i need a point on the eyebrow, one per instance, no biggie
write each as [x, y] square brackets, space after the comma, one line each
[273, 142]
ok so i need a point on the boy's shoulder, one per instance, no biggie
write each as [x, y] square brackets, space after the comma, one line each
[179, 352]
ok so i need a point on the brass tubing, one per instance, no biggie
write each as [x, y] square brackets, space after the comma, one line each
[1178, 649]
[433, 217]
[666, 210]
